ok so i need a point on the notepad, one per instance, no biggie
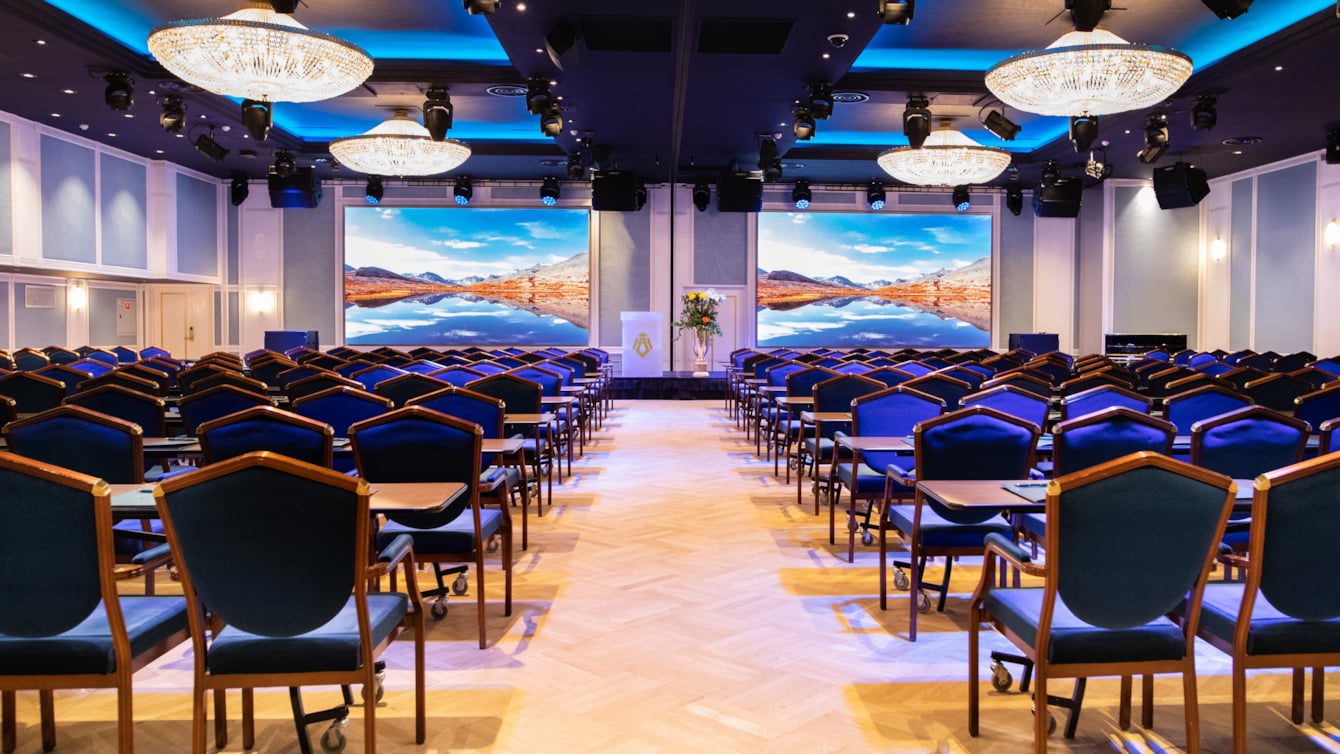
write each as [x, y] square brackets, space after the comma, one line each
[162, 441]
[1033, 492]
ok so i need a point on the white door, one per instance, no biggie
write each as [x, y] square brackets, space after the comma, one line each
[173, 324]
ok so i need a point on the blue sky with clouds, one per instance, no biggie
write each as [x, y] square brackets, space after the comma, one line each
[461, 242]
[869, 246]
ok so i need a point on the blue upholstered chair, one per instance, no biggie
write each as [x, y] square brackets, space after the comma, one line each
[32, 393]
[889, 375]
[973, 443]
[951, 390]
[29, 359]
[341, 407]
[416, 444]
[154, 352]
[64, 374]
[274, 624]
[61, 355]
[289, 376]
[488, 367]
[1319, 406]
[1313, 376]
[268, 371]
[1287, 613]
[125, 380]
[1293, 361]
[56, 533]
[1014, 401]
[125, 355]
[187, 378]
[150, 372]
[214, 403]
[1185, 409]
[123, 403]
[786, 437]
[1092, 380]
[229, 377]
[1102, 397]
[401, 388]
[1277, 391]
[1089, 618]
[815, 448]
[92, 367]
[892, 412]
[372, 375]
[1022, 380]
[319, 383]
[1156, 380]
[543, 440]
[266, 428]
[457, 375]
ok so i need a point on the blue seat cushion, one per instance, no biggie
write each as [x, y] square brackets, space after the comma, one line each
[458, 536]
[87, 648]
[1272, 632]
[1073, 640]
[333, 646]
[133, 545]
[1035, 524]
[825, 447]
[868, 481]
[936, 532]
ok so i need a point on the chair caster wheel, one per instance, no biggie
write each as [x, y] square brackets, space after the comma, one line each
[1051, 720]
[868, 539]
[923, 603]
[460, 585]
[492, 546]
[380, 685]
[1000, 676]
[333, 739]
[439, 609]
[900, 580]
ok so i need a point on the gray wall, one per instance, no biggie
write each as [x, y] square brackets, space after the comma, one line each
[1240, 266]
[1088, 284]
[6, 196]
[1286, 218]
[721, 247]
[1156, 266]
[197, 226]
[1016, 273]
[67, 202]
[4, 317]
[625, 269]
[125, 238]
[38, 327]
[309, 265]
[102, 317]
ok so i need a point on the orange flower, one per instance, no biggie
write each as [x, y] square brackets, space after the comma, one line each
[707, 320]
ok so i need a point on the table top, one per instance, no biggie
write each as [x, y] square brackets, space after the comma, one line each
[559, 400]
[815, 417]
[795, 400]
[968, 494]
[158, 447]
[875, 442]
[544, 418]
[137, 500]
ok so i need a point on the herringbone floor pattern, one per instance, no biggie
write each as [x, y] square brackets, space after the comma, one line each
[677, 600]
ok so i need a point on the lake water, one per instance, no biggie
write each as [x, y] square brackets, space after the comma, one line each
[455, 319]
[848, 323]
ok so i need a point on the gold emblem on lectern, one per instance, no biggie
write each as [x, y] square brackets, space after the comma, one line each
[642, 345]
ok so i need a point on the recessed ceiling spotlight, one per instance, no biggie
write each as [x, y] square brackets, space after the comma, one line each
[68, 91]
[28, 75]
[55, 115]
[109, 133]
[1279, 68]
[158, 151]
[521, 7]
[825, 56]
[39, 41]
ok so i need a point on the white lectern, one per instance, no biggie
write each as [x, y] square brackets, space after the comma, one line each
[643, 343]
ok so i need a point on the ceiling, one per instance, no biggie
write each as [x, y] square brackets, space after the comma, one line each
[683, 89]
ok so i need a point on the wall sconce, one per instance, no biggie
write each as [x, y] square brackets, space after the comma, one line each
[1218, 249]
[76, 294]
[1332, 234]
[260, 301]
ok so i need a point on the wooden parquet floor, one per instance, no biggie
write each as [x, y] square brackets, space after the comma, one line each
[676, 599]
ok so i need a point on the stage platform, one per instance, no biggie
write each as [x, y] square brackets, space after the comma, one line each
[671, 386]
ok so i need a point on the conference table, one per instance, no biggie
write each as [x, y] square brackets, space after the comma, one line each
[1018, 496]
[137, 500]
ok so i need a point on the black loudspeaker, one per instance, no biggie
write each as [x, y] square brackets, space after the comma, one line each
[299, 190]
[1061, 199]
[1228, 8]
[564, 46]
[616, 191]
[1179, 185]
[737, 192]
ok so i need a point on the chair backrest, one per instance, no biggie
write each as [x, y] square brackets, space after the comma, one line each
[1319, 406]
[962, 372]
[125, 380]
[319, 383]
[778, 373]
[549, 381]
[520, 396]
[67, 375]
[973, 443]
[837, 393]
[187, 378]
[42, 500]
[268, 371]
[1248, 442]
[289, 376]
[1101, 397]
[417, 444]
[1022, 380]
[457, 375]
[1014, 401]
[266, 428]
[951, 390]
[128, 405]
[93, 367]
[123, 355]
[1169, 517]
[228, 377]
[1238, 377]
[81, 440]
[216, 402]
[488, 367]
[1157, 380]
[1294, 525]
[407, 386]
[1185, 409]
[341, 407]
[32, 393]
[372, 375]
[1293, 361]
[1277, 391]
[462, 403]
[888, 375]
[801, 383]
[238, 528]
[29, 359]
[158, 376]
[154, 351]
[892, 412]
[1101, 436]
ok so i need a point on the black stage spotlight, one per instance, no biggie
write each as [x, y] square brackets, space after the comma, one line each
[173, 117]
[1228, 8]
[575, 168]
[257, 115]
[821, 100]
[1156, 138]
[702, 195]
[284, 164]
[120, 92]
[549, 191]
[239, 188]
[1203, 112]
[477, 7]
[962, 198]
[896, 12]
[1014, 197]
[463, 191]
[551, 123]
[537, 94]
[437, 114]
[1333, 146]
[1004, 128]
[209, 147]
[1083, 131]
[804, 126]
[917, 120]
[802, 195]
[374, 191]
[874, 195]
[1051, 173]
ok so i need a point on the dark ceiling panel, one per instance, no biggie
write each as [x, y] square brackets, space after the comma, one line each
[743, 36]
[625, 34]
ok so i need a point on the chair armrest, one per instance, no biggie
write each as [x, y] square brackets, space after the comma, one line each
[153, 555]
[392, 554]
[901, 476]
[1009, 551]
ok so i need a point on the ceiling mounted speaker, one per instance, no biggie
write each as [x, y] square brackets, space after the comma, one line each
[1180, 185]
[738, 192]
[1060, 199]
[616, 191]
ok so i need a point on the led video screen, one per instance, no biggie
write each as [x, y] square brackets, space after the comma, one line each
[846, 279]
[466, 276]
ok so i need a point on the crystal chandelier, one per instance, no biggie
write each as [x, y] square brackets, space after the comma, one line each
[948, 158]
[399, 146]
[1089, 73]
[258, 54]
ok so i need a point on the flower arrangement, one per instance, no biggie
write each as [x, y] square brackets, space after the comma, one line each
[699, 312]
